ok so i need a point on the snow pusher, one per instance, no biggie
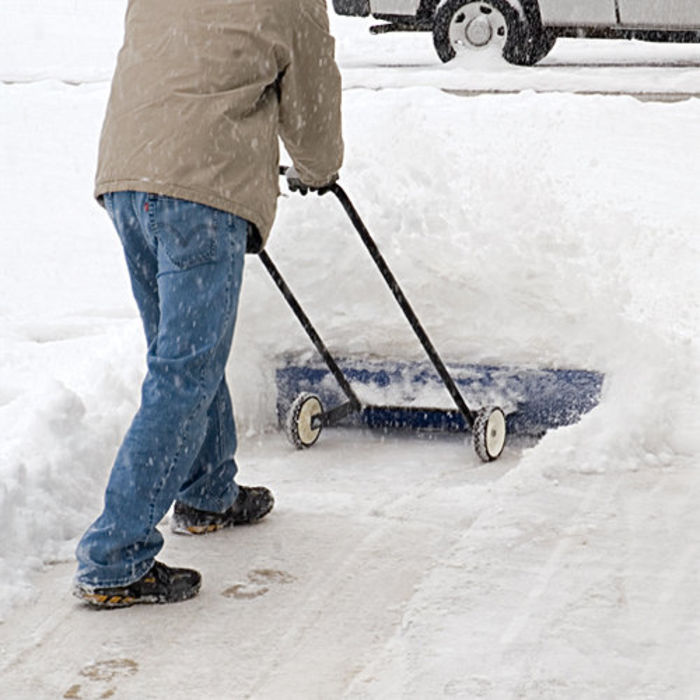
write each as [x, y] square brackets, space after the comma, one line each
[533, 400]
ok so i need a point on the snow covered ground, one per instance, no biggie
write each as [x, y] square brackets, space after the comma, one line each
[539, 227]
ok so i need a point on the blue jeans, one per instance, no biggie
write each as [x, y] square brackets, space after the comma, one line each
[185, 261]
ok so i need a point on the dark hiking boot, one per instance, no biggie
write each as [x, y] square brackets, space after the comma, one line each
[162, 584]
[252, 504]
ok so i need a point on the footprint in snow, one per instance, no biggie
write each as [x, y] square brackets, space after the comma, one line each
[259, 581]
[101, 679]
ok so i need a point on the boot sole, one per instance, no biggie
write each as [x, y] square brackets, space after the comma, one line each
[215, 527]
[102, 601]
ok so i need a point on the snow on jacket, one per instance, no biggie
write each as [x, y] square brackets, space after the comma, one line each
[201, 92]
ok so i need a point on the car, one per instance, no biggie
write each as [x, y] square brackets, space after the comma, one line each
[524, 31]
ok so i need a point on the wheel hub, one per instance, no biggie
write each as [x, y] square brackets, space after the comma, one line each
[477, 25]
[479, 31]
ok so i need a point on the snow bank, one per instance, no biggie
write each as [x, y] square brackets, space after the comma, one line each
[547, 231]
[64, 405]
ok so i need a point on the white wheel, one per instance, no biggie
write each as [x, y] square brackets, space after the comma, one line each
[489, 433]
[477, 25]
[301, 428]
[462, 26]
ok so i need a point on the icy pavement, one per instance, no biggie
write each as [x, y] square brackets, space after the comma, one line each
[296, 606]
[399, 568]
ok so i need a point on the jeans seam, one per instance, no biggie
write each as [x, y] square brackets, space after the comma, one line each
[176, 457]
[188, 422]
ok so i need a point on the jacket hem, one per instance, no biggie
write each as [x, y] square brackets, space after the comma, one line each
[193, 195]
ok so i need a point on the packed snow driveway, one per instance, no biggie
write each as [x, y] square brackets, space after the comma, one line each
[296, 606]
[399, 568]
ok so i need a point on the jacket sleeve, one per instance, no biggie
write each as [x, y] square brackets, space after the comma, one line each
[310, 97]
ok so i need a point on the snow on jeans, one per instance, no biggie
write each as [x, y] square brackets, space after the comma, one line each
[185, 261]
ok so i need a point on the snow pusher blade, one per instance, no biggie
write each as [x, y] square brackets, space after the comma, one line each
[303, 390]
[533, 400]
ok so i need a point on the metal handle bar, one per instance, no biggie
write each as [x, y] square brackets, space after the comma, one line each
[403, 302]
[400, 297]
[310, 330]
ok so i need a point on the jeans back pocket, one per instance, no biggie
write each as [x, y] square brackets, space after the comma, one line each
[187, 232]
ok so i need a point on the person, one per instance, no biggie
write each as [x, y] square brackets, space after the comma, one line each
[188, 171]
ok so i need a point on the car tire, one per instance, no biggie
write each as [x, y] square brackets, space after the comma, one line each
[535, 44]
[463, 25]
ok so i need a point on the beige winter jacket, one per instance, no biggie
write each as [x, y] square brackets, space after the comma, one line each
[202, 90]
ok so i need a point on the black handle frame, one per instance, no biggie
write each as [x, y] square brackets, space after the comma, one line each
[354, 403]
